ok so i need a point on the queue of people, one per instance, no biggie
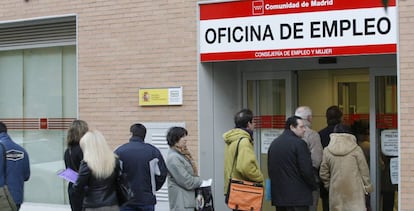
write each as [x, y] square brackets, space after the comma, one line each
[98, 168]
[303, 165]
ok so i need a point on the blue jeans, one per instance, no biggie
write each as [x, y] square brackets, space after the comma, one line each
[138, 208]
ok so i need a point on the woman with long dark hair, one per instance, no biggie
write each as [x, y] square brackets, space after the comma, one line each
[73, 156]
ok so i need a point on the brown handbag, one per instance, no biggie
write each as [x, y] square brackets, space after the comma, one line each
[241, 194]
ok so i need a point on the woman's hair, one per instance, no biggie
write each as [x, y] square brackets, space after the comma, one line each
[97, 154]
[175, 134]
[3, 128]
[75, 132]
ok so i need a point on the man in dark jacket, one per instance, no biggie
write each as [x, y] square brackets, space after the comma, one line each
[290, 169]
[145, 168]
[18, 168]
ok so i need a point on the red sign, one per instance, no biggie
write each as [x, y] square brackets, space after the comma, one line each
[268, 29]
[43, 123]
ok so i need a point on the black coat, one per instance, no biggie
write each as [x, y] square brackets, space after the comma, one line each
[98, 192]
[73, 157]
[324, 134]
[290, 171]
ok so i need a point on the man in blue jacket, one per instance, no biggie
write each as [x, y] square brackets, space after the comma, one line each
[18, 167]
[290, 169]
[145, 168]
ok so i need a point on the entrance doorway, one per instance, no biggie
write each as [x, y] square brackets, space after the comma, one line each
[363, 95]
[270, 97]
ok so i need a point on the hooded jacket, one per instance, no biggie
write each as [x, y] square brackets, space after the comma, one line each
[345, 173]
[246, 166]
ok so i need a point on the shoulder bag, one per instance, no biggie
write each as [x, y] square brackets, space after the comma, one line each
[204, 199]
[241, 194]
[6, 200]
[123, 188]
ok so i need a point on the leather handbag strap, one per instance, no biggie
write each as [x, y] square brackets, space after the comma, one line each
[235, 157]
[5, 163]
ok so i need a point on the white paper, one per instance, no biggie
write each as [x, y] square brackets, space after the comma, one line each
[206, 183]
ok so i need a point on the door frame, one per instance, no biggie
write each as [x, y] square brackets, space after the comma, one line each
[374, 151]
[291, 94]
[291, 90]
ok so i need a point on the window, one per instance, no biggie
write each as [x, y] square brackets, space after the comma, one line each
[38, 100]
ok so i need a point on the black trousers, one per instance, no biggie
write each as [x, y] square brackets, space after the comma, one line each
[324, 197]
[388, 201]
[297, 208]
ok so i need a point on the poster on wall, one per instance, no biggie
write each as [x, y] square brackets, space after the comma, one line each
[394, 170]
[160, 96]
[263, 29]
[267, 136]
[389, 142]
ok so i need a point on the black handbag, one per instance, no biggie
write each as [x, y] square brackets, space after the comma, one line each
[6, 200]
[204, 199]
[123, 188]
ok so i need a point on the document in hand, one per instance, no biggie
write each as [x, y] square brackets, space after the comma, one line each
[68, 174]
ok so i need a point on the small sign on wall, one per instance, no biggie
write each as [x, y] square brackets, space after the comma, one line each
[161, 96]
[267, 137]
[394, 170]
[389, 142]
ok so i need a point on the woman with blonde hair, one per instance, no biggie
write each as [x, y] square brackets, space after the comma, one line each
[98, 172]
[73, 156]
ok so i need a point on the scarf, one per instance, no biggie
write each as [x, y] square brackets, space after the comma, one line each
[187, 154]
[250, 133]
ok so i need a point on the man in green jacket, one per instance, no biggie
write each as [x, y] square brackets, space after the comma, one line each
[246, 166]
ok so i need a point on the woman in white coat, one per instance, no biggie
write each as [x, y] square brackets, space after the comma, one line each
[182, 176]
[344, 171]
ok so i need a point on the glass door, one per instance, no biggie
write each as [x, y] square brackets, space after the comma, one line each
[385, 135]
[269, 96]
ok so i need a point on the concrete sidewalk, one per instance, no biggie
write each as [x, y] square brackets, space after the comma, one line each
[27, 206]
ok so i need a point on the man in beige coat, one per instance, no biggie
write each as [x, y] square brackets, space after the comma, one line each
[313, 140]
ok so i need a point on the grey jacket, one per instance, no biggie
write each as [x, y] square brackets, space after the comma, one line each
[313, 140]
[181, 182]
